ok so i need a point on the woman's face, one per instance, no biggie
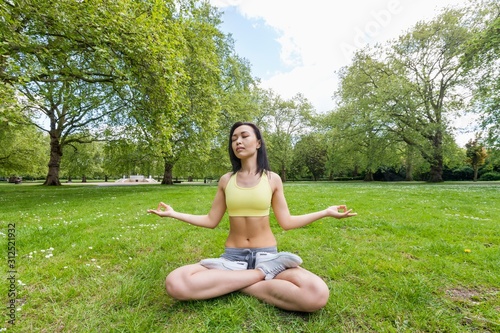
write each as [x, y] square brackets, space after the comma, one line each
[244, 141]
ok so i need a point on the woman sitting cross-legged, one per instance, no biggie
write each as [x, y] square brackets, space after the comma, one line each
[251, 262]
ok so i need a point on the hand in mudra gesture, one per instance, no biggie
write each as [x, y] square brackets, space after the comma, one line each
[340, 211]
[163, 210]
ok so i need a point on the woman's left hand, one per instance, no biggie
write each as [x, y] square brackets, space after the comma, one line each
[339, 211]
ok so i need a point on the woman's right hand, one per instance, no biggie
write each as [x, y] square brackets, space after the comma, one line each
[163, 210]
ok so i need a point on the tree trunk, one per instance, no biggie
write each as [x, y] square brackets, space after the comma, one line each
[409, 163]
[167, 173]
[436, 173]
[52, 178]
[355, 172]
[283, 174]
[368, 176]
[409, 172]
[476, 169]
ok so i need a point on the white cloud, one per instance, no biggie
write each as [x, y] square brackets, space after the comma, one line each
[318, 37]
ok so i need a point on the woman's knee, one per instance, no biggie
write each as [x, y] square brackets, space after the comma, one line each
[317, 294]
[176, 287]
[322, 295]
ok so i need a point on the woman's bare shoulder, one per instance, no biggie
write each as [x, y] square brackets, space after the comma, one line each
[274, 179]
[224, 179]
[273, 175]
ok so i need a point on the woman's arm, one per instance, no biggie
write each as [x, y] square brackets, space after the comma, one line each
[211, 220]
[287, 221]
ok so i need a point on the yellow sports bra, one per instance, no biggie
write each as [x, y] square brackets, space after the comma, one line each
[248, 201]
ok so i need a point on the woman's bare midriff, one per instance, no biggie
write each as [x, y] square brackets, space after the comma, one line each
[250, 232]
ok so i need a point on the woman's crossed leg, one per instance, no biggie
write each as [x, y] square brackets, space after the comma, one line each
[295, 289]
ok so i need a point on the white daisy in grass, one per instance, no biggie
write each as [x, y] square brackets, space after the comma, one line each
[49, 252]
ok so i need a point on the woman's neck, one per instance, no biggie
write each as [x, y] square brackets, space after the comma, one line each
[248, 167]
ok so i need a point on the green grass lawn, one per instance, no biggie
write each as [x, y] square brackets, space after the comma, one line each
[417, 258]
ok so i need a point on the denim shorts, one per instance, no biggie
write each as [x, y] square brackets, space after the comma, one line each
[246, 255]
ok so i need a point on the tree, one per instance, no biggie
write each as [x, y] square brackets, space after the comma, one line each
[83, 160]
[342, 156]
[361, 117]
[311, 153]
[434, 81]
[22, 150]
[68, 59]
[413, 88]
[128, 156]
[284, 121]
[476, 155]
[186, 127]
[482, 57]
[83, 66]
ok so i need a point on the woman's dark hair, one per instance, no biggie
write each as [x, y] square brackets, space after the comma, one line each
[262, 161]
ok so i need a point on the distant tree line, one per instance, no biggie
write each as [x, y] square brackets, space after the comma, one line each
[92, 89]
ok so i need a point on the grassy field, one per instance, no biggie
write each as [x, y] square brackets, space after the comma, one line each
[417, 258]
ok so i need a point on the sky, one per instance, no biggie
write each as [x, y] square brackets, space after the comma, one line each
[297, 46]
